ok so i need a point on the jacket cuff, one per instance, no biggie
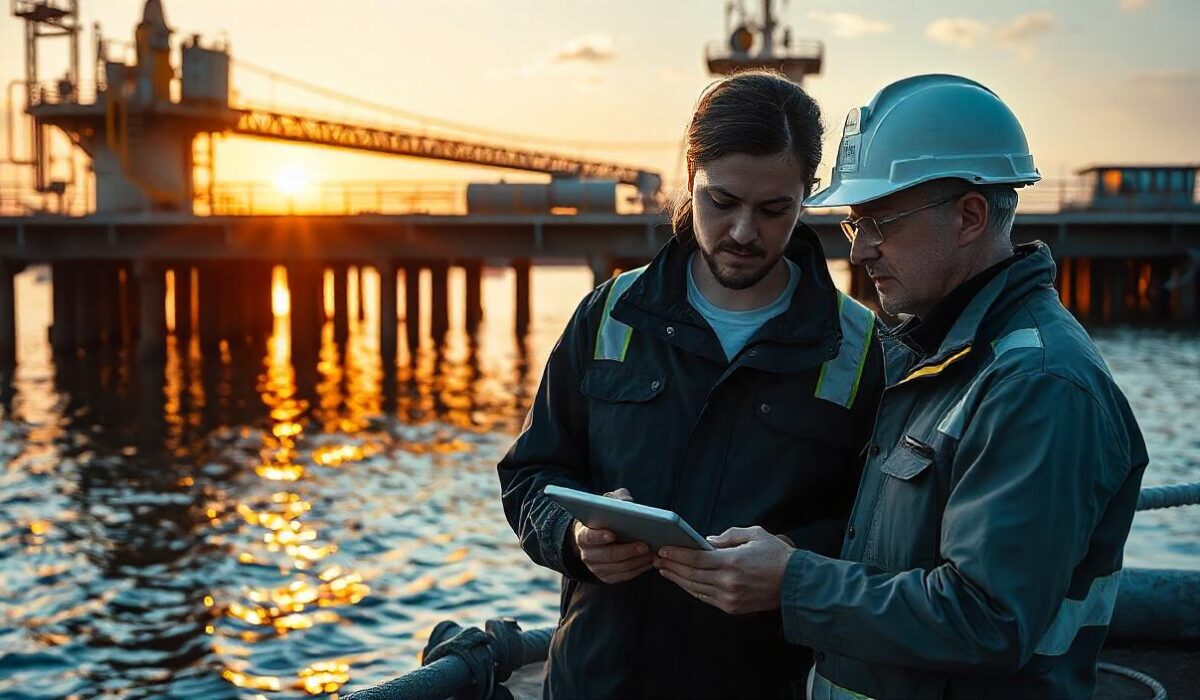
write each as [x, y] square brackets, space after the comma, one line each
[560, 556]
[805, 621]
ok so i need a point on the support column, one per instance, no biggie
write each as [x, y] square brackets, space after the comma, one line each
[131, 316]
[208, 321]
[1161, 272]
[225, 281]
[1117, 291]
[439, 293]
[87, 321]
[183, 302]
[8, 314]
[1085, 298]
[152, 295]
[241, 289]
[265, 299]
[1186, 303]
[474, 294]
[341, 314]
[387, 314]
[305, 288]
[62, 329]
[521, 266]
[412, 306]
[108, 314]
[602, 269]
[362, 296]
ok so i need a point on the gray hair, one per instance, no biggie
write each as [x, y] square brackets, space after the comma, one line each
[1002, 207]
[1001, 201]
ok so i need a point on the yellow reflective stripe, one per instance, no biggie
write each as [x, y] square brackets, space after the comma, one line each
[839, 377]
[936, 369]
[612, 339]
[824, 689]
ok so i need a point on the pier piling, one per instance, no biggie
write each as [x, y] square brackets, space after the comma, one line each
[439, 301]
[473, 294]
[412, 306]
[521, 267]
[8, 313]
[152, 292]
[387, 313]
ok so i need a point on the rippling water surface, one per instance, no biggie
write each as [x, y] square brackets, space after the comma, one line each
[228, 528]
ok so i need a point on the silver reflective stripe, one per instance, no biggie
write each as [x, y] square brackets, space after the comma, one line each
[822, 689]
[1073, 615]
[612, 340]
[1023, 338]
[840, 376]
[952, 424]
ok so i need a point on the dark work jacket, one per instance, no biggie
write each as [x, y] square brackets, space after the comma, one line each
[984, 553]
[722, 443]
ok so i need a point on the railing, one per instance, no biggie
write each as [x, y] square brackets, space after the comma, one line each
[51, 92]
[336, 198]
[348, 198]
[799, 49]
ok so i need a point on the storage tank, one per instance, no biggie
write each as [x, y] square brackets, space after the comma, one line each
[581, 196]
[205, 74]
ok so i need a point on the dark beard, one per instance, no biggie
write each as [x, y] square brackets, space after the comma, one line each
[742, 279]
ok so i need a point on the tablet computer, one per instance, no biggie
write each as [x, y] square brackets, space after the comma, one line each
[630, 522]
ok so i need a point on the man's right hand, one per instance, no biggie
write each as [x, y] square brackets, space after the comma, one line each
[607, 560]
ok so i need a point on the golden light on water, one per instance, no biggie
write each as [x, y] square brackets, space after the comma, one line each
[325, 677]
[280, 534]
[280, 299]
[245, 680]
[336, 455]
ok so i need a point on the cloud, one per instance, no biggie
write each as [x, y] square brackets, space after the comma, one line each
[1026, 27]
[957, 31]
[589, 48]
[1018, 35]
[1133, 5]
[850, 26]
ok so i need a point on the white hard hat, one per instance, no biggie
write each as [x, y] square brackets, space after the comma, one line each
[926, 128]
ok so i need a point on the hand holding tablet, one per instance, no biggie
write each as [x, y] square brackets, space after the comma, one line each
[629, 522]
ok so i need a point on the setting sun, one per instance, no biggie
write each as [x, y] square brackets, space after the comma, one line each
[291, 180]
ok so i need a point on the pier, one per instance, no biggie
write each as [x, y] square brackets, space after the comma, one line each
[112, 274]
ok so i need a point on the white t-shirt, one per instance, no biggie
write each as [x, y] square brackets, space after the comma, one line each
[734, 328]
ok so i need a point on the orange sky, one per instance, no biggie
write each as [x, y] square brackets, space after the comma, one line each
[1101, 80]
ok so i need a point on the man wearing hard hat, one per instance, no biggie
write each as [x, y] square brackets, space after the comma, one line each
[984, 552]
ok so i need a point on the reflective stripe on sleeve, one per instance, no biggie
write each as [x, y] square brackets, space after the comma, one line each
[1095, 610]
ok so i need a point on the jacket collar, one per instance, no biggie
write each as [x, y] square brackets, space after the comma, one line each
[659, 299]
[1034, 268]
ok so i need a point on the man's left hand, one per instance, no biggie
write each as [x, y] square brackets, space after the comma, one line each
[743, 575]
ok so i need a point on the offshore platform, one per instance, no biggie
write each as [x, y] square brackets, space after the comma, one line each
[147, 126]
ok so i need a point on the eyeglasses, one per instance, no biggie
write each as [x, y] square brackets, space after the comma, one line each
[868, 227]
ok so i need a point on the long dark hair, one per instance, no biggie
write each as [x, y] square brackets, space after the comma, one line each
[757, 113]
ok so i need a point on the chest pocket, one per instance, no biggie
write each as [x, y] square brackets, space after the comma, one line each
[904, 525]
[789, 463]
[626, 429]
